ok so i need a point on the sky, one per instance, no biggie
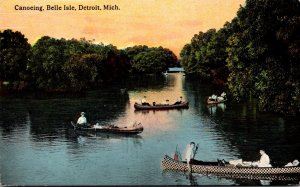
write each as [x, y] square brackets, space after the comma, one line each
[167, 23]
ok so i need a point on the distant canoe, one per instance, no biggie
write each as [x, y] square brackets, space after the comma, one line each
[216, 101]
[223, 168]
[137, 128]
[160, 106]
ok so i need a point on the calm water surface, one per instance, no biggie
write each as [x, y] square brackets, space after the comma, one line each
[38, 147]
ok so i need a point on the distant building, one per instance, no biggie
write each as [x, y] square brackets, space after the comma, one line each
[175, 70]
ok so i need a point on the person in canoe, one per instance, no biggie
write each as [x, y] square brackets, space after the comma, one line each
[179, 101]
[264, 161]
[222, 98]
[212, 98]
[223, 94]
[144, 101]
[82, 120]
[294, 163]
[166, 102]
[189, 154]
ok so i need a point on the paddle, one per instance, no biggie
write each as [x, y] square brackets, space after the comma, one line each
[196, 149]
[73, 124]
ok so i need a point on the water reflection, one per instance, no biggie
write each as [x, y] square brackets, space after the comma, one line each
[248, 130]
[155, 121]
[216, 110]
[195, 179]
[82, 136]
[227, 179]
[12, 116]
[41, 149]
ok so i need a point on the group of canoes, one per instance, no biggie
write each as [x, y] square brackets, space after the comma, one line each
[135, 128]
[142, 105]
[232, 169]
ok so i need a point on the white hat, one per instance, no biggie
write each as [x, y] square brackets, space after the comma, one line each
[295, 163]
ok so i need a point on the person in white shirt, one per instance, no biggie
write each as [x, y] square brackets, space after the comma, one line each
[214, 97]
[223, 94]
[222, 97]
[82, 119]
[264, 160]
[189, 154]
[144, 101]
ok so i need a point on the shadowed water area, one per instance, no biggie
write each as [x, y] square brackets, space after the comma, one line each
[39, 147]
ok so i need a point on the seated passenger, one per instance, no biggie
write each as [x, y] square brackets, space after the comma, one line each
[179, 101]
[222, 97]
[165, 102]
[82, 120]
[144, 101]
[223, 94]
[214, 97]
[264, 160]
[295, 163]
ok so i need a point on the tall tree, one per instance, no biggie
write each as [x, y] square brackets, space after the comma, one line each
[142, 58]
[48, 58]
[81, 71]
[153, 60]
[14, 56]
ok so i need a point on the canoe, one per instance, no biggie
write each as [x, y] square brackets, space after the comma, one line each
[278, 177]
[224, 168]
[136, 128]
[243, 177]
[212, 101]
[160, 106]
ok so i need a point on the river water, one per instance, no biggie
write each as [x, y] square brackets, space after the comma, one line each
[38, 147]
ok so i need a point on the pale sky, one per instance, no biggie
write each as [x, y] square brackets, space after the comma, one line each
[167, 23]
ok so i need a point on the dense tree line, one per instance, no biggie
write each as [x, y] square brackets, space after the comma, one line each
[256, 54]
[150, 60]
[59, 64]
[73, 65]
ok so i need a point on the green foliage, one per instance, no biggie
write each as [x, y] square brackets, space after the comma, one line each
[63, 65]
[257, 53]
[150, 60]
[48, 58]
[14, 55]
[265, 47]
[81, 71]
[59, 64]
[205, 56]
[147, 62]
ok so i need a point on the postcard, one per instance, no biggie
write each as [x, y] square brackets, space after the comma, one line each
[149, 92]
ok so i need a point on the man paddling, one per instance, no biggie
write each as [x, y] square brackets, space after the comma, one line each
[190, 154]
[82, 120]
